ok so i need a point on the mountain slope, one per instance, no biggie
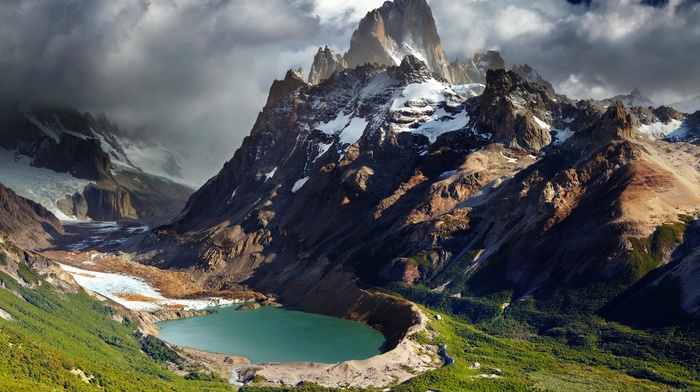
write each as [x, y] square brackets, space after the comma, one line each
[26, 222]
[80, 167]
[400, 166]
[690, 106]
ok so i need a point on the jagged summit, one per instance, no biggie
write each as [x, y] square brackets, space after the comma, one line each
[634, 98]
[326, 63]
[398, 29]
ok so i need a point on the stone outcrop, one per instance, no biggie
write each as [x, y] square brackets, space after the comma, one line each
[474, 70]
[508, 108]
[406, 27]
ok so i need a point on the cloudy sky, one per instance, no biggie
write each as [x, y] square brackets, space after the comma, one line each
[197, 72]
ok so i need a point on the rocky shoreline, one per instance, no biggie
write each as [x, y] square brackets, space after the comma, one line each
[407, 359]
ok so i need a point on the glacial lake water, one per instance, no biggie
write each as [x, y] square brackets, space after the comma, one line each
[275, 335]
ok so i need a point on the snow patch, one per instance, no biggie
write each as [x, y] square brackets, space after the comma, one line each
[561, 136]
[510, 160]
[113, 285]
[447, 174]
[349, 129]
[430, 91]
[48, 131]
[299, 184]
[674, 130]
[270, 174]
[442, 122]
[353, 132]
[541, 123]
[41, 185]
[322, 149]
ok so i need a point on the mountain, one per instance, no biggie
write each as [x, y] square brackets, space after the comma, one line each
[385, 36]
[530, 75]
[635, 98]
[326, 62]
[84, 167]
[413, 179]
[690, 106]
[25, 222]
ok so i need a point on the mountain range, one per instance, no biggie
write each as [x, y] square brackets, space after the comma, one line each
[466, 187]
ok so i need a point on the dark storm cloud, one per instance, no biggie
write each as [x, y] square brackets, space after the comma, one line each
[197, 72]
[590, 49]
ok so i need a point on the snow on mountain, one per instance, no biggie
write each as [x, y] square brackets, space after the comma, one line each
[119, 288]
[634, 98]
[44, 186]
[690, 106]
[423, 106]
[673, 130]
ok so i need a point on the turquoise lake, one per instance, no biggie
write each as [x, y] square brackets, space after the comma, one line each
[275, 335]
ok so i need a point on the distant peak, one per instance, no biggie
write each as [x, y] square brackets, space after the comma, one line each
[634, 98]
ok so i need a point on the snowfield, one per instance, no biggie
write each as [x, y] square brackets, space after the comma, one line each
[43, 186]
[114, 286]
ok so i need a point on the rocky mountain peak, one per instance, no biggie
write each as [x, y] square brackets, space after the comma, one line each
[617, 123]
[293, 79]
[514, 110]
[326, 63]
[634, 98]
[532, 76]
[386, 35]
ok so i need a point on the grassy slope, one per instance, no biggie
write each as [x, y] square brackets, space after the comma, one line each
[53, 333]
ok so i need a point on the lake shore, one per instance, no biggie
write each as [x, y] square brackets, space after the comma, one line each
[405, 360]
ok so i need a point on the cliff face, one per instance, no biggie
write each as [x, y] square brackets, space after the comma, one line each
[326, 63]
[387, 35]
[26, 223]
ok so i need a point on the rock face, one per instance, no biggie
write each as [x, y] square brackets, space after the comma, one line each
[516, 111]
[281, 88]
[25, 222]
[66, 141]
[326, 63]
[474, 71]
[386, 35]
